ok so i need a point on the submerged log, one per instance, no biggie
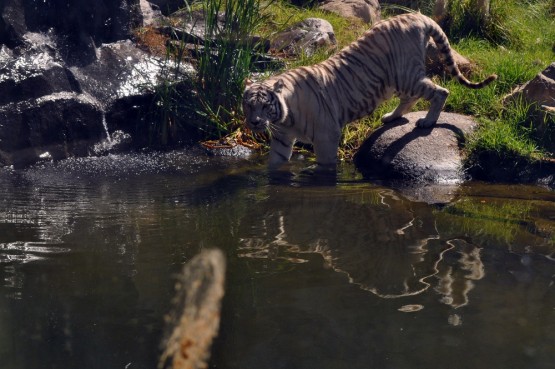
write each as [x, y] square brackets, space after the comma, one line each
[195, 320]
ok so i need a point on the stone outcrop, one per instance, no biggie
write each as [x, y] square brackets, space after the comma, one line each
[366, 10]
[80, 24]
[539, 93]
[72, 84]
[400, 150]
[51, 109]
[304, 37]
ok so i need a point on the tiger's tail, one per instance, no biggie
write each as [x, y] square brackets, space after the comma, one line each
[444, 48]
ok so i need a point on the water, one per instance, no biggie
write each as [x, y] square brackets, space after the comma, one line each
[350, 275]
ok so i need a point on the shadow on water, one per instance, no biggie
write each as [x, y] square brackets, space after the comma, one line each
[327, 274]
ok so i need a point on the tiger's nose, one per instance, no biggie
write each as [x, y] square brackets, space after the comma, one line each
[256, 121]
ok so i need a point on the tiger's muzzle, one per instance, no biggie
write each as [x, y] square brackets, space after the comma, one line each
[257, 124]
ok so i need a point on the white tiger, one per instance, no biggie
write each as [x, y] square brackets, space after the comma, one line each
[312, 104]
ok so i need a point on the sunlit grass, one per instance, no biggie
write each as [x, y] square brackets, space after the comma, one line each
[508, 135]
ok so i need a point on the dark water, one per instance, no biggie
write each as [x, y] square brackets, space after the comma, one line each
[352, 275]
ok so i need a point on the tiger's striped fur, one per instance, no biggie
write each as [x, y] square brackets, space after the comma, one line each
[312, 104]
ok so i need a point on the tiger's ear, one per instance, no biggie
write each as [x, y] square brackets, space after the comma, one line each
[279, 85]
[247, 82]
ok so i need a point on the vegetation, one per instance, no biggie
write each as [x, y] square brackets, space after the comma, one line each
[515, 41]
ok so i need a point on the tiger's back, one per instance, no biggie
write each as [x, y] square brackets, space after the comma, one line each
[389, 59]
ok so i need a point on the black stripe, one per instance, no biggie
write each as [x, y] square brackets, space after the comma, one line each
[285, 158]
[281, 142]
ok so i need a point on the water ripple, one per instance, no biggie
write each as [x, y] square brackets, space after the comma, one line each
[23, 252]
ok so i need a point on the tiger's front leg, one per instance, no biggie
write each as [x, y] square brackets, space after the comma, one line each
[325, 149]
[281, 148]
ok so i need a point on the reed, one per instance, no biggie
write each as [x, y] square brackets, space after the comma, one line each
[225, 60]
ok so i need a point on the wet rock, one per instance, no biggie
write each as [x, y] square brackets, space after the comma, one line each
[540, 94]
[196, 317]
[63, 124]
[80, 25]
[366, 10]
[152, 14]
[167, 6]
[33, 70]
[46, 103]
[304, 37]
[400, 151]
[120, 70]
[59, 91]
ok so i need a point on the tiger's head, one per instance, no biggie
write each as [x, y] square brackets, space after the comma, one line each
[262, 106]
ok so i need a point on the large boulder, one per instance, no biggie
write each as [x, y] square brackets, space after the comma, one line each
[400, 150]
[539, 93]
[425, 164]
[366, 10]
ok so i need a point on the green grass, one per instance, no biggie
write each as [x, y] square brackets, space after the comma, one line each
[509, 135]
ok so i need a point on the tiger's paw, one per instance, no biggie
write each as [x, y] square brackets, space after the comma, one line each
[425, 123]
[319, 169]
[389, 117]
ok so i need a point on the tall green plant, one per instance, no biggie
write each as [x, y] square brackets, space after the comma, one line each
[479, 18]
[225, 59]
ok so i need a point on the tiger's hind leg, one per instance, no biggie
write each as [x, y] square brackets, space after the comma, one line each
[436, 95]
[404, 107]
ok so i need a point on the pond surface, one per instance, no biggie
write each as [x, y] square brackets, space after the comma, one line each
[351, 275]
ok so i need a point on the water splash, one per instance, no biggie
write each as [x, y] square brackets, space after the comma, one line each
[117, 141]
[105, 125]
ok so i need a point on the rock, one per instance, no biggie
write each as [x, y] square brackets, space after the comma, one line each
[366, 10]
[61, 124]
[540, 94]
[400, 151]
[42, 106]
[196, 317]
[152, 14]
[436, 66]
[47, 105]
[304, 37]
[167, 6]
[69, 83]
[80, 25]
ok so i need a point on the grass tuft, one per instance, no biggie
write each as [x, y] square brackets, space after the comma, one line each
[225, 60]
[510, 135]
